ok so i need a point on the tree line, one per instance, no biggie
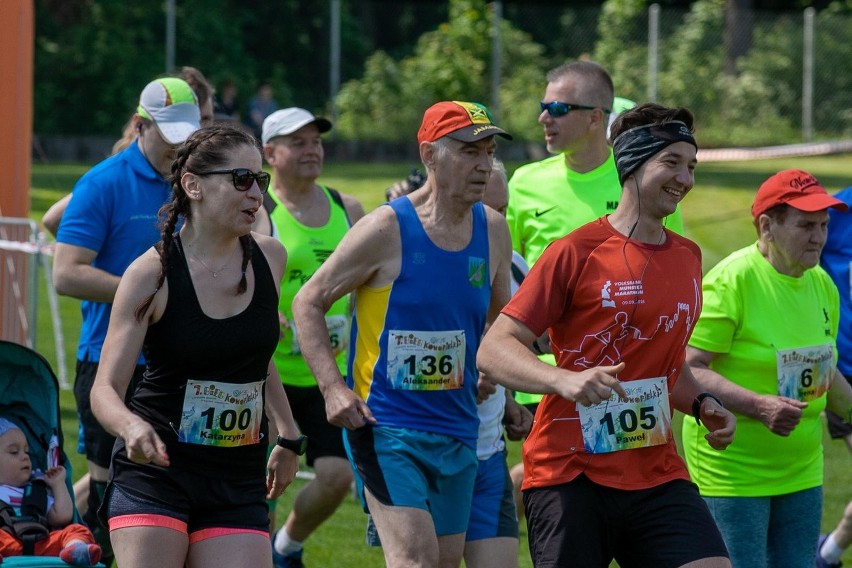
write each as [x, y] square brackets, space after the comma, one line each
[94, 56]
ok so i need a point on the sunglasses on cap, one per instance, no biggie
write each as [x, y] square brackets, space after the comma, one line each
[243, 178]
[557, 109]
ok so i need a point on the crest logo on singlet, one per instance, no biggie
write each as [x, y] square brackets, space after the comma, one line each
[476, 271]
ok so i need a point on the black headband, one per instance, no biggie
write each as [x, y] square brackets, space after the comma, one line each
[633, 147]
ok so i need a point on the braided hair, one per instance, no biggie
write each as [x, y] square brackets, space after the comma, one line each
[205, 149]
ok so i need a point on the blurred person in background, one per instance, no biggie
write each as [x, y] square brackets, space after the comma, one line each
[203, 92]
[836, 259]
[110, 222]
[309, 219]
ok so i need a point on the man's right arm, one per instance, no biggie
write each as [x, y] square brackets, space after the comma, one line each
[74, 275]
[368, 254]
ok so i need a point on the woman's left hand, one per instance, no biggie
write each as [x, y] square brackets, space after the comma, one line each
[281, 470]
[720, 422]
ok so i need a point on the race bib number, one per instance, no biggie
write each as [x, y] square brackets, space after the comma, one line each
[221, 414]
[641, 421]
[338, 334]
[295, 348]
[804, 373]
[426, 360]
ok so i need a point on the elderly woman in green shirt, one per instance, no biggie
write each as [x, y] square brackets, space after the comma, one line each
[765, 345]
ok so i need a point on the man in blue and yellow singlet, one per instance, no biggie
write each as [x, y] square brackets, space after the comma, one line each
[429, 271]
[310, 220]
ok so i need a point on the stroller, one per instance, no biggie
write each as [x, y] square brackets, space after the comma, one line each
[29, 396]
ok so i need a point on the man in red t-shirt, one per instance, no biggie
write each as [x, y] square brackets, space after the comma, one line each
[619, 298]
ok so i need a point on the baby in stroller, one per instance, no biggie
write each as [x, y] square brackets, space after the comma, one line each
[36, 511]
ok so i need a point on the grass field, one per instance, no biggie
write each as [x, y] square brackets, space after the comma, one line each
[717, 216]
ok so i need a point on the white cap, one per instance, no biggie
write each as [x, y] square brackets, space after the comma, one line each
[172, 106]
[289, 120]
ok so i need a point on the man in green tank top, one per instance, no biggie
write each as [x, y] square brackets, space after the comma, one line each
[309, 219]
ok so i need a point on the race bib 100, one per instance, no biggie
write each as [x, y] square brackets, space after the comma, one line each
[221, 414]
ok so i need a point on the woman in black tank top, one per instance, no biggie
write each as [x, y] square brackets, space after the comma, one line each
[190, 461]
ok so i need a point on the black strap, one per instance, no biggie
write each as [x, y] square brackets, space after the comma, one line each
[31, 525]
[336, 197]
[696, 405]
[35, 499]
[517, 274]
[270, 204]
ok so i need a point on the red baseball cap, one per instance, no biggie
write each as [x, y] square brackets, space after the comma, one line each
[467, 122]
[796, 188]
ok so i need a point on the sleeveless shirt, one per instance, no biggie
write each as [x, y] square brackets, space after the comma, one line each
[307, 248]
[414, 342]
[226, 360]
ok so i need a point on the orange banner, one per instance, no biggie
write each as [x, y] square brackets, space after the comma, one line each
[16, 106]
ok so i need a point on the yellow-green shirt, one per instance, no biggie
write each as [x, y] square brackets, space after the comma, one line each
[751, 311]
[307, 248]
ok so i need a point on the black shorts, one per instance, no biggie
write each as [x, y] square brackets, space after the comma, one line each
[97, 441]
[143, 491]
[581, 523]
[837, 427]
[308, 407]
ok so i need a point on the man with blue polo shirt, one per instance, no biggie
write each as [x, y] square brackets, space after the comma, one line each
[111, 220]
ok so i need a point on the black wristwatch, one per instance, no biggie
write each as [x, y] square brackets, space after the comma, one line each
[298, 446]
[696, 405]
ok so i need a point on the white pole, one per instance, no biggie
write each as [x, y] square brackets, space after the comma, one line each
[653, 49]
[496, 60]
[56, 320]
[170, 35]
[334, 68]
[808, 76]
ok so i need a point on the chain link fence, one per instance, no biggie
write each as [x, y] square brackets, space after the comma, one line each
[751, 77]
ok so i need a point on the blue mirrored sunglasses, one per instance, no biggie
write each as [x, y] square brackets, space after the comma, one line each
[557, 108]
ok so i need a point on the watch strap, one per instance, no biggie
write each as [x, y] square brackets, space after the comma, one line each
[696, 405]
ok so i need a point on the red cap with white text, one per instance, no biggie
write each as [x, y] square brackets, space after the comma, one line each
[796, 188]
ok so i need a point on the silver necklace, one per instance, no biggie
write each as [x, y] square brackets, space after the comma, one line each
[221, 269]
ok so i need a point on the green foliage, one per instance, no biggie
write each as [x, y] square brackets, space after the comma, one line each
[766, 89]
[91, 52]
[452, 62]
[833, 100]
[623, 46]
[92, 58]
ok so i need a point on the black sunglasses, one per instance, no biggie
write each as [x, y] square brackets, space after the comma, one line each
[243, 178]
[557, 109]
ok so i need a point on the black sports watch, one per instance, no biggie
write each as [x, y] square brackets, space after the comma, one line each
[298, 446]
[696, 405]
